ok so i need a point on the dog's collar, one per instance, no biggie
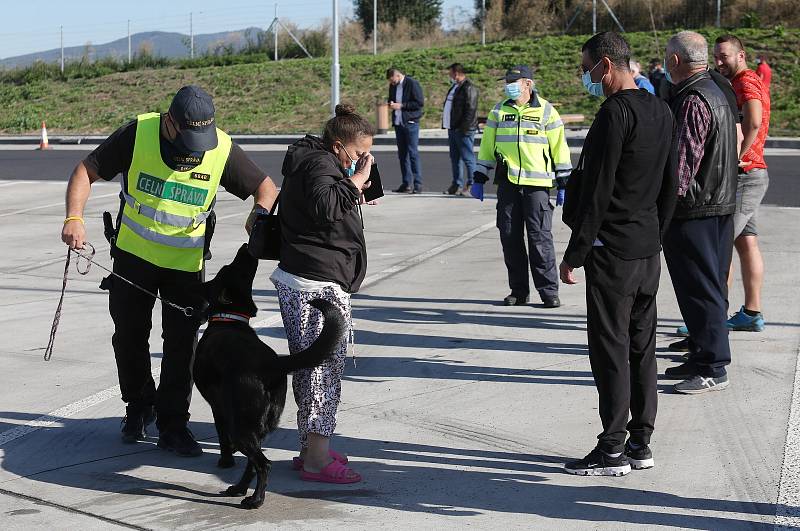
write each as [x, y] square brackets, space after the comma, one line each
[223, 316]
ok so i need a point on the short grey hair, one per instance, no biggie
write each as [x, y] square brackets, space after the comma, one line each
[690, 46]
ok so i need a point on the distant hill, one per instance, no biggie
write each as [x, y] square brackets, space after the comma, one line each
[160, 43]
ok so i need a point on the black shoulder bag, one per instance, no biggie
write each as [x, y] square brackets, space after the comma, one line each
[265, 236]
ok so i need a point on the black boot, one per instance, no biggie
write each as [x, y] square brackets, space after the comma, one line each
[179, 439]
[135, 422]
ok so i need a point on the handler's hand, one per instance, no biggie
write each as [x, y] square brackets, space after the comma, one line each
[74, 234]
[396, 106]
[566, 273]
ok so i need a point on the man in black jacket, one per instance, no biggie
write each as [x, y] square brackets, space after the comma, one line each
[622, 201]
[406, 101]
[699, 244]
[460, 118]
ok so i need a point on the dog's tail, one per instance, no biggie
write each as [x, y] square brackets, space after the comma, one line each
[323, 347]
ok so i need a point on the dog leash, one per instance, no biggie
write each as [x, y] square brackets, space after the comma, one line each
[188, 311]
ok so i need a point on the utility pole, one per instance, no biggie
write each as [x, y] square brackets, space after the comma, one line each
[191, 36]
[275, 32]
[594, 17]
[335, 63]
[719, 7]
[374, 27]
[483, 22]
[62, 48]
[129, 40]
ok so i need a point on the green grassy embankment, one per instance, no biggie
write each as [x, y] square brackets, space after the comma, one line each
[292, 96]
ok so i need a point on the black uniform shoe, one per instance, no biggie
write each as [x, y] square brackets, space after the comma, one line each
[682, 371]
[516, 300]
[417, 190]
[597, 463]
[451, 190]
[181, 441]
[403, 189]
[639, 458]
[135, 422]
[553, 302]
[680, 346]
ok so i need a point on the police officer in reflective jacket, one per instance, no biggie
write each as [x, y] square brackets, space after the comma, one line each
[172, 165]
[524, 143]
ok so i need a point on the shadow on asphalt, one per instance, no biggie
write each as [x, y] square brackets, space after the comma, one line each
[403, 476]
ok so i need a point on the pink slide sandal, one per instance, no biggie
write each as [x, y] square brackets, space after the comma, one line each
[297, 463]
[335, 472]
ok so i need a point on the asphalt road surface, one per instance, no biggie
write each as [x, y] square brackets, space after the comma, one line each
[784, 169]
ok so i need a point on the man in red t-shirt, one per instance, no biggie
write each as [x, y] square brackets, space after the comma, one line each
[763, 70]
[753, 101]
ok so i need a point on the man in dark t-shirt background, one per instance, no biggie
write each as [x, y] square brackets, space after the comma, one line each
[622, 202]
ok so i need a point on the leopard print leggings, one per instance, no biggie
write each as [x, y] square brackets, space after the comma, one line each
[316, 391]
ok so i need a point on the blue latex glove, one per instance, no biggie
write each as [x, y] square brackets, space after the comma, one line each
[560, 197]
[476, 190]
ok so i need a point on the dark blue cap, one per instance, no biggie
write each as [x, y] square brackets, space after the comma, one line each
[518, 72]
[193, 109]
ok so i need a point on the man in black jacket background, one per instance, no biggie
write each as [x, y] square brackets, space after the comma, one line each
[406, 101]
[460, 118]
[622, 202]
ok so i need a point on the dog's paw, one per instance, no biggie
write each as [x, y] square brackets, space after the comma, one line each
[252, 502]
[226, 461]
[235, 490]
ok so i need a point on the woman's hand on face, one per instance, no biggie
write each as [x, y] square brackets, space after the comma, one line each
[363, 169]
[364, 164]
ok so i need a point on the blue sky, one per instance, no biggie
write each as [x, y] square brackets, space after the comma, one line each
[31, 26]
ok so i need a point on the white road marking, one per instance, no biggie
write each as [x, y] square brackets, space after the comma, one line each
[787, 511]
[51, 205]
[58, 415]
[54, 417]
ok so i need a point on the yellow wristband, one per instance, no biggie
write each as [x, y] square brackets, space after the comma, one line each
[73, 218]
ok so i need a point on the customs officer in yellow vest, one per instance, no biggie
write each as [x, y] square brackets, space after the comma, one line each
[524, 143]
[172, 165]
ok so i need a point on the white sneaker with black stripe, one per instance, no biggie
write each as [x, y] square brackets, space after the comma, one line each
[598, 463]
[700, 384]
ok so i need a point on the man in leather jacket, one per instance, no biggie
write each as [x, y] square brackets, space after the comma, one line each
[699, 243]
[460, 118]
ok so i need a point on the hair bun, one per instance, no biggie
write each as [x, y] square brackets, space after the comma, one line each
[344, 109]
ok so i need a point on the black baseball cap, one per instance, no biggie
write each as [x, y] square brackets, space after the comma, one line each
[193, 109]
[518, 72]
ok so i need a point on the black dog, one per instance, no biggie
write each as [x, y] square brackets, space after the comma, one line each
[243, 379]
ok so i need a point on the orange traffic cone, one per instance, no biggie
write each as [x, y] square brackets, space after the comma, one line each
[44, 144]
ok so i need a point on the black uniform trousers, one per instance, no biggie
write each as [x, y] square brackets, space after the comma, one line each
[522, 209]
[698, 254]
[621, 326]
[131, 310]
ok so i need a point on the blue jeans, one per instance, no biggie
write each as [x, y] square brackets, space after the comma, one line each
[408, 151]
[461, 149]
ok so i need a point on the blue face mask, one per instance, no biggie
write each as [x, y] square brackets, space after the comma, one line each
[513, 90]
[595, 89]
[352, 169]
[666, 72]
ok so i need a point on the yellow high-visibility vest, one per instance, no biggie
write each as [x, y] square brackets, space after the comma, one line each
[529, 139]
[164, 216]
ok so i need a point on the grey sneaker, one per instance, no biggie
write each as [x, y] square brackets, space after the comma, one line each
[700, 384]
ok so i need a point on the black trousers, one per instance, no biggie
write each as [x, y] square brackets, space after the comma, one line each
[131, 310]
[698, 254]
[621, 325]
[520, 210]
